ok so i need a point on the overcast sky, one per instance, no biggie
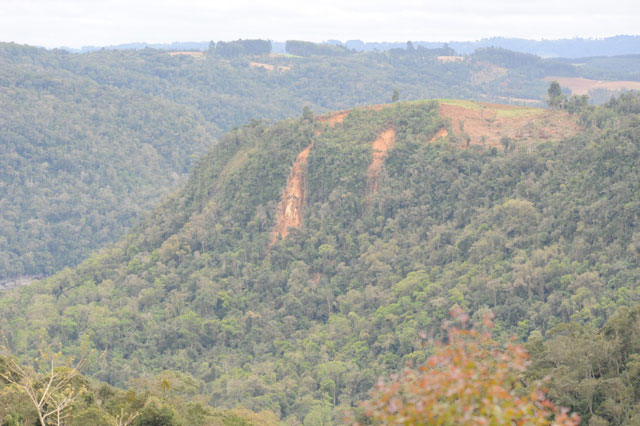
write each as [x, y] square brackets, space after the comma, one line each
[77, 23]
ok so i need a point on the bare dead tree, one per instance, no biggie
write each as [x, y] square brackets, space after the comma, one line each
[48, 384]
[125, 420]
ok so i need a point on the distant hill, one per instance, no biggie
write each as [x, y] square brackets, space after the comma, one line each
[559, 48]
[562, 48]
[189, 45]
[304, 259]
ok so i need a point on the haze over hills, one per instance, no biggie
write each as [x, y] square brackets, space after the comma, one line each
[560, 48]
[304, 259]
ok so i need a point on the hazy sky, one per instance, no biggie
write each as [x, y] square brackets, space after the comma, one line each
[77, 23]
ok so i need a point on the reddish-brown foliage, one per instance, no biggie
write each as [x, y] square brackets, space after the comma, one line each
[471, 380]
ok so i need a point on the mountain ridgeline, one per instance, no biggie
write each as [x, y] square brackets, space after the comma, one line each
[304, 259]
[89, 142]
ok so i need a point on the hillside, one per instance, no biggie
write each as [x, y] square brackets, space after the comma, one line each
[106, 134]
[80, 163]
[304, 259]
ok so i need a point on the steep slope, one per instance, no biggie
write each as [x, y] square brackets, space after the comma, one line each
[289, 213]
[381, 147]
[117, 125]
[541, 234]
[81, 162]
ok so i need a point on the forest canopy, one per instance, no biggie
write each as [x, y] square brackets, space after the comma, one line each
[542, 233]
[91, 141]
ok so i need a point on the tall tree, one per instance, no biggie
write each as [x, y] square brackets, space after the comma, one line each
[555, 97]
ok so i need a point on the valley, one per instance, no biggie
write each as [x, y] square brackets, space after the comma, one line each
[236, 236]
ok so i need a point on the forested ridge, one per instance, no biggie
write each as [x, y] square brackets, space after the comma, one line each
[542, 233]
[80, 162]
[91, 141]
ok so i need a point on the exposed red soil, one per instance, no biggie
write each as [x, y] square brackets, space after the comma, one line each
[333, 118]
[480, 123]
[381, 147]
[289, 214]
[582, 86]
[442, 133]
[486, 124]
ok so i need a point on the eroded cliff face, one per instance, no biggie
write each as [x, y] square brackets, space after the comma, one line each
[470, 123]
[289, 214]
[381, 147]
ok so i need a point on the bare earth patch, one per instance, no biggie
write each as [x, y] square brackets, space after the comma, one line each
[381, 147]
[442, 133]
[333, 118]
[289, 214]
[486, 124]
[481, 123]
[582, 86]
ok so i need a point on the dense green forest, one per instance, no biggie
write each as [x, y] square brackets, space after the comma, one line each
[79, 162]
[89, 142]
[37, 393]
[542, 233]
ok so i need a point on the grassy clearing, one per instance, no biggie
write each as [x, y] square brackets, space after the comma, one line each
[502, 112]
[518, 112]
[461, 103]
